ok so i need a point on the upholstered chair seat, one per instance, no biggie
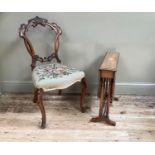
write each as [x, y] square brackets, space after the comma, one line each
[52, 76]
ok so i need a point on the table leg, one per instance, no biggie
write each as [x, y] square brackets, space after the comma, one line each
[105, 96]
[113, 91]
[100, 87]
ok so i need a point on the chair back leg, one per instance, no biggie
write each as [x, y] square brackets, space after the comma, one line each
[59, 92]
[83, 93]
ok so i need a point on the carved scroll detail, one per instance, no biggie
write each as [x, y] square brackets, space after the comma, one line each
[36, 58]
[34, 22]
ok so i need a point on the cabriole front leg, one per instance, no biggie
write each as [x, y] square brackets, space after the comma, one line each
[41, 107]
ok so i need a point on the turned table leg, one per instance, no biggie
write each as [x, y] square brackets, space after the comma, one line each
[101, 99]
[112, 91]
[99, 87]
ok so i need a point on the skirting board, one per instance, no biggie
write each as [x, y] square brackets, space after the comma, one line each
[121, 88]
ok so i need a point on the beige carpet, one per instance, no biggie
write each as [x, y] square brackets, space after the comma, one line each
[20, 118]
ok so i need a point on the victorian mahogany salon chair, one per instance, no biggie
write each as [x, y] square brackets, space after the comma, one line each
[47, 76]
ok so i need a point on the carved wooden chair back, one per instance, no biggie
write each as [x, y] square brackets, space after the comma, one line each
[34, 22]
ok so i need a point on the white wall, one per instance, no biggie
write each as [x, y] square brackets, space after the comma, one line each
[85, 39]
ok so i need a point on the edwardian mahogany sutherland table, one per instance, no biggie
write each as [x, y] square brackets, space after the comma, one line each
[107, 74]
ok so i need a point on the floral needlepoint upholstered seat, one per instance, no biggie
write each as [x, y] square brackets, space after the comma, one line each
[48, 75]
[53, 76]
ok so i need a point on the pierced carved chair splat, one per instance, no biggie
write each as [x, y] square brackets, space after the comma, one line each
[46, 75]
